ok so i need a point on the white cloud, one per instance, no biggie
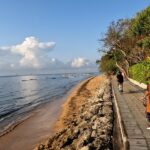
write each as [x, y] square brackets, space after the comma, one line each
[55, 63]
[31, 52]
[32, 55]
[79, 62]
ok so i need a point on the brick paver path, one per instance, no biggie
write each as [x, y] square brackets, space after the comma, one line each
[133, 115]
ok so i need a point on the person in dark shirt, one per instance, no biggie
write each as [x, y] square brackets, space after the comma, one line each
[120, 80]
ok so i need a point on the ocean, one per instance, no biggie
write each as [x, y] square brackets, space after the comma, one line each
[20, 95]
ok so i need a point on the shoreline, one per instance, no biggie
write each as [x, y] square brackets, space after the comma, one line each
[86, 120]
[16, 131]
[12, 127]
[64, 112]
[15, 137]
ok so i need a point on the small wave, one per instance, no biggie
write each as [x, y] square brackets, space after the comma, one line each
[21, 97]
[9, 112]
[11, 126]
[25, 96]
[2, 119]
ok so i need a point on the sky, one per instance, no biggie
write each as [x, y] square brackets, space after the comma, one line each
[56, 34]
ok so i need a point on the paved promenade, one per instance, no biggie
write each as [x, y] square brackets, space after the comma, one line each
[132, 114]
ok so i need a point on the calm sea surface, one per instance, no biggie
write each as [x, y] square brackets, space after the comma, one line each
[19, 95]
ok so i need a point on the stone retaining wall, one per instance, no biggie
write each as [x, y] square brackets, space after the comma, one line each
[91, 130]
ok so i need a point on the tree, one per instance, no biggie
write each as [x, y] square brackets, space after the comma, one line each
[140, 24]
[115, 40]
[126, 42]
[140, 29]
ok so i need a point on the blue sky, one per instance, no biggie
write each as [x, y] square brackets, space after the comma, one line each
[73, 27]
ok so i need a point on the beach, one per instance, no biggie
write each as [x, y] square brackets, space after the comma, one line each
[86, 118]
[32, 130]
[75, 99]
[50, 118]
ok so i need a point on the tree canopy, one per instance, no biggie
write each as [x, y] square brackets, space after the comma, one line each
[127, 42]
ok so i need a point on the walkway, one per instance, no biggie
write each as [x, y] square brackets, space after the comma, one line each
[132, 114]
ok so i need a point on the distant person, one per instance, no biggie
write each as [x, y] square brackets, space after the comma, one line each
[147, 105]
[120, 80]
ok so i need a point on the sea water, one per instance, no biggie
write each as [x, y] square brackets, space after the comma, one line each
[19, 95]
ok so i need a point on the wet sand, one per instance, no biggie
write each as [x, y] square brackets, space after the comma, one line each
[48, 119]
[33, 130]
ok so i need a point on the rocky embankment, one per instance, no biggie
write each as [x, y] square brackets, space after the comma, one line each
[91, 129]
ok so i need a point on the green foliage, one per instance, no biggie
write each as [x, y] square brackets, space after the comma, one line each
[118, 55]
[141, 71]
[107, 64]
[127, 42]
[108, 61]
[144, 43]
[140, 24]
[140, 29]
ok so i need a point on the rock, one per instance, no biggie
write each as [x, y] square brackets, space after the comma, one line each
[101, 114]
[107, 110]
[85, 148]
[94, 109]
[67, 141]
[108, 103]
[48, 143]
[96, 124]
[106, 97]
[90, 128]
[85, 138]
[41, 147]
[94, 118]
[103, 119]
[94, 134]
[86, 115]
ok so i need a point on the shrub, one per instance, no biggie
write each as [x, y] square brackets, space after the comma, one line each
[141, 72]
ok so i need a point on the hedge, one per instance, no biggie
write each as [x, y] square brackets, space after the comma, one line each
[141, 72]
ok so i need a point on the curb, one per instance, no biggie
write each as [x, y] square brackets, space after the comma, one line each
[122, 130]
[142, 85]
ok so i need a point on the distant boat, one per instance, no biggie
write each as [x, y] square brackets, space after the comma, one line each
[33, 79]
[24, 80]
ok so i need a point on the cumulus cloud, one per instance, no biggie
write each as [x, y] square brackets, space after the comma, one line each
[55, 63]
[31, 55]
[79, 62]
[30, 52]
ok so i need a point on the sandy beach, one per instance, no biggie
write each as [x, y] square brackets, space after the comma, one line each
[50, 118]
[76, 98]
[86, 119]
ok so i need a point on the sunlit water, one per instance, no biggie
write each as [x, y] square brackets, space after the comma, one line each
[19, 95]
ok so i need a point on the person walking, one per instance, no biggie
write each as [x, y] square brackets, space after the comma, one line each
[120, 80]
[147, 105]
